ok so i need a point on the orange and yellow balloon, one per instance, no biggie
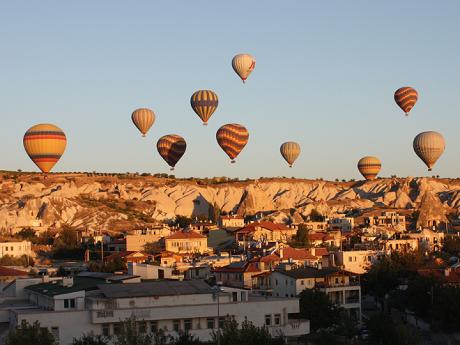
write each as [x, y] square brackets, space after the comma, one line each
[171, 148]
[369, 167]
[232, 138]
[45, 144]
[243, 65]
[204, 103]
[143, 119]
[405, 98]
[290, 151]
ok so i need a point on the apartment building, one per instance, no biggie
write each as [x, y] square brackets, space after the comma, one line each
[357, 261]
[186, 242]
[342, 287]
[388, 219]
[137, 239]
[231, 222]
[71, 309]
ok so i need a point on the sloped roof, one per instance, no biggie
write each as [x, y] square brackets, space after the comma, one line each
[183, 235]
[11, 272]
[264, 224]
[54, 289]
[297, 254]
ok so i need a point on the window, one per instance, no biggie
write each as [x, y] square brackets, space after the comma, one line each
[243, 296]
[350, 259]
[268, 320]
[142, 326]
[210, 322]
[12, 248]
[6, 249]
[301, 282]
[106, 330]
[276, 282]
[277, 319]
[221, 322]
[176, 325]
[187, 324]
[153, 326]
[116, 328]
[235, 296]
[69, 303]
[55, 333]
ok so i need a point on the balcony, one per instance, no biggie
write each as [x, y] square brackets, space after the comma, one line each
[293, 328]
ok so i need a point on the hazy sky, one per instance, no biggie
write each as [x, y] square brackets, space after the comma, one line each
[325, 76]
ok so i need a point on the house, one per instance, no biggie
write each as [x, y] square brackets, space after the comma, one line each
[193, 306]
[428, 239]
[342, 224]
[357, 261]
[189, 242]
[402, 244]
[151, 272]
[15, 248]
[137, 239]
[169, 259]
[342, 287]
[264, 231]
[331, 238]
[198, 272]
[238, 274]
[388, 219]
[316, 226]
[117, 245]
[231, 222]
[128, 256]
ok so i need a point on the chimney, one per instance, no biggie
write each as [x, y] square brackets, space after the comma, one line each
[67, 281]
[320, 265]
[262, 265]
[281, 253]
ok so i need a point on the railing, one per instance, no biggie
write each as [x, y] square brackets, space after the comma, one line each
[352, 300]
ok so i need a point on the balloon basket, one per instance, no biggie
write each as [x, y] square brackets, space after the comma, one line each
[232, 161]
[205, 123]
[143, 135]
[172, 168]
[429, 169]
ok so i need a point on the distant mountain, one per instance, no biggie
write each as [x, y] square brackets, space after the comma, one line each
[127, 201]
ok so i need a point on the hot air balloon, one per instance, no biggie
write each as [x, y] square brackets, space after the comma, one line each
[171, 147]
[405, 98]
[290, 151]
[143, 119]
[429, 146]
[369, 167]
[243, 65]
[204, 103]
[45, 144]
[232, 138]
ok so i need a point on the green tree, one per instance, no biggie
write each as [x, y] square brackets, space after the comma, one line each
[26, 334]
[301, 239]
[182, 222]
[153, 248]
[27, 234]
[247, 334]
[130, 335]
[90, 339]
[185, 339]
[316, 307]
[384, 331]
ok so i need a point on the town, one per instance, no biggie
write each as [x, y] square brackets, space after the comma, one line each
[326, 275]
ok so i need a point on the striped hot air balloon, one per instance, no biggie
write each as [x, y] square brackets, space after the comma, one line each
[429, 146]
[171, 147]
[405, 98]
[232, 138]
[290, 151]
[45, 144]
[243, 65]
[204, 103]
[143, 119]
[369, 167]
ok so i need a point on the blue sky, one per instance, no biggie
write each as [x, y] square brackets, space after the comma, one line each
[325, 76]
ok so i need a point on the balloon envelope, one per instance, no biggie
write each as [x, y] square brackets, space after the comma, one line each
[243, 65]
[232, 138]
[143, 119]
[45, 144]
[429, 146]
[405, 98]
[171, 147]
[290, 151]
[204, 103]
[369, 167]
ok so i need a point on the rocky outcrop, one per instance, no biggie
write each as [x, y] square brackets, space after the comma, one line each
[113, 203]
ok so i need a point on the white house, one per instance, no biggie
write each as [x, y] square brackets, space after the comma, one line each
[16, 249]
[78, 307]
